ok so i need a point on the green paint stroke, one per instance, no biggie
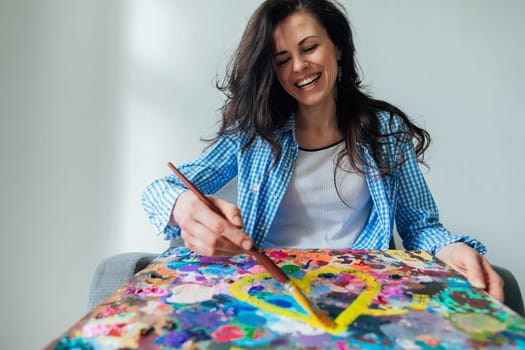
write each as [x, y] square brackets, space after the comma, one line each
[480, 327]
[290, 269]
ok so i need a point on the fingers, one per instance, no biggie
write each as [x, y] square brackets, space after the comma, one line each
[201, 241]
[481, 275]
[225, 228]
[449, 254]
[474, 269]
[494, 281]
[207, 232]
[230, 211]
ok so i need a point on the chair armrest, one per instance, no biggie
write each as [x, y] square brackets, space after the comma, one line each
[113, 271]
[511, 290]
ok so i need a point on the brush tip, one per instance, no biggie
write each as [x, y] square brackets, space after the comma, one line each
[325, 320]
[321, 316]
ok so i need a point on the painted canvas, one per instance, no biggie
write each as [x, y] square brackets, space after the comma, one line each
[379, 299]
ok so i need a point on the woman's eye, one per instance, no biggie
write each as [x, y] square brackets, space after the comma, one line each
[310, 48]
[281, 62]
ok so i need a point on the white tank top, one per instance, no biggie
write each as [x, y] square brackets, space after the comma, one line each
[312, 214]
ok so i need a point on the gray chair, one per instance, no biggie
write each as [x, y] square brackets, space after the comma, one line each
[511, 290]
[112, 272]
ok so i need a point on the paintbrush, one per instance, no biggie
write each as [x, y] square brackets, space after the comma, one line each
[263, 259]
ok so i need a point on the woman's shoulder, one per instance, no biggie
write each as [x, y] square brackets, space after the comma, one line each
[242, 139]
[235, 134]
[390, 122]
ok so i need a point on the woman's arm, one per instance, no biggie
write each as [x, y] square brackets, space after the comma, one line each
[417, 218]
[210, 172]
[418, 224]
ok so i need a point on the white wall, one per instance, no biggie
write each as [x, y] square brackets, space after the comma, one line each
[58, 144]
[96, 96]
[458, 68]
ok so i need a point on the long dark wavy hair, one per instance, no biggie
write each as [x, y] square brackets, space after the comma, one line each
[257, 104]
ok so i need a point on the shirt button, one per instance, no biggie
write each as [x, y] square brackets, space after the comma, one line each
[255, 187]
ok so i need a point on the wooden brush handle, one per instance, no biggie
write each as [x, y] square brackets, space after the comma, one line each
[262, 258]
[268, 263]
[195, 190]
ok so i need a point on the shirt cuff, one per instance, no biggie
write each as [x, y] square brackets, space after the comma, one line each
[471, 242]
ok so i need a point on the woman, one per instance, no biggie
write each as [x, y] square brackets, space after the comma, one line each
[319, 163]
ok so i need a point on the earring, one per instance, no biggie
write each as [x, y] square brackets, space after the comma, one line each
[339, 72]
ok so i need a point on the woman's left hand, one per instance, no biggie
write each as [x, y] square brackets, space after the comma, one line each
[474, 267]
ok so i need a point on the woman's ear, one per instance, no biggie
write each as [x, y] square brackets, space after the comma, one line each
[338, 54]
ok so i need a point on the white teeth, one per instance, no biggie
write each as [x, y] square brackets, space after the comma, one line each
[308, 80]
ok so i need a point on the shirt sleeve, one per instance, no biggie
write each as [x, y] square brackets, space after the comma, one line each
[417, 218]
[210, 172]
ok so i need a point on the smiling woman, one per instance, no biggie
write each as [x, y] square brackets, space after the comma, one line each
[292, 90]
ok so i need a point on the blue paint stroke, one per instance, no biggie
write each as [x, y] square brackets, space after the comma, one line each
[280, 302]
[239, 306]
[173, 339]
[177, 265]
[217, 270]
[205, 318]
[307, 265]
[326, 275]
[67, 343]
[320, 289]
[457, 281]
[251, 319]
[181, 252]
[245, 265]
[255, 289]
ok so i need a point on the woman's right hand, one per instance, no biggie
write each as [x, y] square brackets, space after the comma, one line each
[207, 233]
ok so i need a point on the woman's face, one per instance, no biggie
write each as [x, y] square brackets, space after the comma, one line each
[305, 60]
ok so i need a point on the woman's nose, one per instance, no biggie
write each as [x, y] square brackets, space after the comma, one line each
[299, 64]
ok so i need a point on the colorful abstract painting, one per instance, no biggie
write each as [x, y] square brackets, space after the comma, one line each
[379, 299]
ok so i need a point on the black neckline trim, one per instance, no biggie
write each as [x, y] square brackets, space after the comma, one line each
[322, 148]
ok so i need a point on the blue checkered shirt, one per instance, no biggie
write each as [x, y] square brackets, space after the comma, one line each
[402, 197]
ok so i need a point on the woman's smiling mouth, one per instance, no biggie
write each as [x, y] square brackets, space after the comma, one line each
[308, 81]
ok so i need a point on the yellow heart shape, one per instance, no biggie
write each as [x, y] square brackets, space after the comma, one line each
[359, 306]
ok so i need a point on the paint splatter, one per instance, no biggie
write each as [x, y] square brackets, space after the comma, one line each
[278, 254]
[147, 292]
[190, 293]
[227, 333]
